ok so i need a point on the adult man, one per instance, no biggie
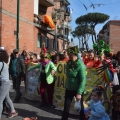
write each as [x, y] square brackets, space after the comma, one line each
[18, 72]
[75, 83]
[12, 67]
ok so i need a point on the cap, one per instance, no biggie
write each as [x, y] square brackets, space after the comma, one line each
[15, 51]
[1, 48]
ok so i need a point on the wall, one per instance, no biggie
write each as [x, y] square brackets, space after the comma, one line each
[115, 36]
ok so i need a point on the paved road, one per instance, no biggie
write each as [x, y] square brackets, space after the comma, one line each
[28, 108]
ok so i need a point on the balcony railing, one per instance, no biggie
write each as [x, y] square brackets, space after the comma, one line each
[46, 3]
[64, 1]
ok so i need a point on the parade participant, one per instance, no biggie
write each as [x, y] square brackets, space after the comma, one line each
[97, 111]
[115, 102]
[5, 84]
[91, 56]
[59, 57]
[97, 61]
[75, 83]
[20, 70]
[24, 54]
[12, 67]
[46, 78]
[85, 57]
[66, 57]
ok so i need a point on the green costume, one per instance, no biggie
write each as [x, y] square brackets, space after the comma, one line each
[76, 76]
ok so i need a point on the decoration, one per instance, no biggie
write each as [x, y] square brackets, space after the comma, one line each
[73, 50]
[100, 47]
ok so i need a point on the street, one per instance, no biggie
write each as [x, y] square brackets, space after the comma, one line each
[28, 108]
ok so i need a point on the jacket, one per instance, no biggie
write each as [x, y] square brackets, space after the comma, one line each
[76, 76]
[20, 66]
[48, 68]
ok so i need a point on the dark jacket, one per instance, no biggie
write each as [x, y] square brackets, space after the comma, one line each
[20, 66]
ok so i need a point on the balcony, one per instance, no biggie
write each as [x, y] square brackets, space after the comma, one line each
[46, 3]
[63, 1]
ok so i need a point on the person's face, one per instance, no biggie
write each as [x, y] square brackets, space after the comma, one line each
[58, 58]
[71, 56]
[91, 56]
[16, 54]
[44, 58]
[65, 54]
[96, 58]
[83, 55]
[28, 56]
[94, 96]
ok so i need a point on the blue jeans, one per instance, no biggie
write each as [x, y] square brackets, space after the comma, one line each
[4, 94]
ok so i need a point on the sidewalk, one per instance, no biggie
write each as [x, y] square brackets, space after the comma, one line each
[28, 108]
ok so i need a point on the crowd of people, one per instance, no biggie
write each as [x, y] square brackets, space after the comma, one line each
[21, 63]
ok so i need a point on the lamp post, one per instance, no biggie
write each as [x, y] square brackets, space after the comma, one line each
[18, 17]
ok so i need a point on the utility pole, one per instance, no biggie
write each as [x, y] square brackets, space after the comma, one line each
[18, 17]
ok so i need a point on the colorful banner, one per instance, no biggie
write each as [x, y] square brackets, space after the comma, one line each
[93, 80]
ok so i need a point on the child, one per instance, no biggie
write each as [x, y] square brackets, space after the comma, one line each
[97, 111]
[115, 102]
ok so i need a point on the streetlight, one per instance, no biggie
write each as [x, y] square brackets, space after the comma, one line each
[17, 31]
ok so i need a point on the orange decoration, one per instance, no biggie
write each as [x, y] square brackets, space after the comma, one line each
[48, 20]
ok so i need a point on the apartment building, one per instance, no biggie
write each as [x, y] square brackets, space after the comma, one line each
[111, 34]
[32, 30]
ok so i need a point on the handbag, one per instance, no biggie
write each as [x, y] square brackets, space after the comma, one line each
[1, 71]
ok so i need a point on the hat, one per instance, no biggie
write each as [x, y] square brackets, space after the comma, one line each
[47, 55]
[1, 48]
[73, 50]
[15, 51]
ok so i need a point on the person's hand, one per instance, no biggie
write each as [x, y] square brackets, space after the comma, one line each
[78, 97]
[53, 72]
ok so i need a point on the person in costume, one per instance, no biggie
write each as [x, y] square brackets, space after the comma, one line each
[97, 111]
[91, 56]
[85, 57]
[75, 83]
[97, 61]
[115, 102]
[46, 78]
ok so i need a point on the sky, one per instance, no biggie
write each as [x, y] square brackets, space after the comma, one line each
[109, 7]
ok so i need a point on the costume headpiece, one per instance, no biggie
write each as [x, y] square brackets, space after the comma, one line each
[73, 50]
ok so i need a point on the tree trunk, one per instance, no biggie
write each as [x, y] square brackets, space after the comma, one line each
[82, 43]
[79, 42]
[86, 44]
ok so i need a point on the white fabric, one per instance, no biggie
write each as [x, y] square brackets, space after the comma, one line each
[4, 74]
[115, 79]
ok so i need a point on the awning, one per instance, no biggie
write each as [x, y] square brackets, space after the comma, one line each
[46, 3]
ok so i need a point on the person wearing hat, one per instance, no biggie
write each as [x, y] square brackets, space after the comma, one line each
[17, 68]
[46, 78]
[12, 66]
[75, 83]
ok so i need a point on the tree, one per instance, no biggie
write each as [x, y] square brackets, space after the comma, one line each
[83, 32]
[92, 19]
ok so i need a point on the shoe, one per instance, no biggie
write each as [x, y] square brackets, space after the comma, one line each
[11, 115]
[51, 105]
[43, 104]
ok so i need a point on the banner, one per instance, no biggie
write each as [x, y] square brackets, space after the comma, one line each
[92, 78]
[33, 86]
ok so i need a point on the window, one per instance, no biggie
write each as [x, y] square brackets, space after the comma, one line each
[39, 41]
[36, 6]
[46, 42]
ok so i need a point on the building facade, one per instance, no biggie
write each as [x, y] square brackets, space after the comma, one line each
[111, 34]
[32, 30]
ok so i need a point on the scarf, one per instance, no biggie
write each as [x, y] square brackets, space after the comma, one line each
[45, 63]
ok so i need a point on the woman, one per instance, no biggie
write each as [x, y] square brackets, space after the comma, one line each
[5, 84]
[47, 69]
[75, 83]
